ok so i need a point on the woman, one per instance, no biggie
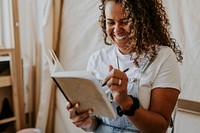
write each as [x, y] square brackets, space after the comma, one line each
[144, 96]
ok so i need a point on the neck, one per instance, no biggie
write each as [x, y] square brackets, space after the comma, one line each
[124, 52]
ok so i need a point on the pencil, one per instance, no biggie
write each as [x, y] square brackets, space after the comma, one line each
[107, 80]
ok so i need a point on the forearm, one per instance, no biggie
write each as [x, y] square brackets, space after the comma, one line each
[149, 122]
[93, 125]
[157, 118]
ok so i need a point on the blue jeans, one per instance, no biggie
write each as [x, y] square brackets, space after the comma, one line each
[117, 125]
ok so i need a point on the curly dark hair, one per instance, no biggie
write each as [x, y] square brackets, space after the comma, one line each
[149, 27]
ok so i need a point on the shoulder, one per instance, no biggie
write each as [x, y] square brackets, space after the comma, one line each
[101, 58]
[166, 53]
[103, 53]
[166, 69]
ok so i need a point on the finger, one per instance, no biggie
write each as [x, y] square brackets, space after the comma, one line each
[110, 67]
[111, 74]
[82, 123]
[115, 73]
[73, 110]
[81, 118]
[120, 82]
[68, 105]
[113, 81]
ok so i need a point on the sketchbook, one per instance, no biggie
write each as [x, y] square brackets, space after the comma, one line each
[82, 87]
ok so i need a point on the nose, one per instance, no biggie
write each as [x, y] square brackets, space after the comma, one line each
[117, 28]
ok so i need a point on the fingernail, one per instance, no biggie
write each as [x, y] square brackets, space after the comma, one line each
[90, 111]
[77, 105]
[67, 105]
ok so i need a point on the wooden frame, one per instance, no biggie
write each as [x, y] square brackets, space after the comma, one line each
[189, 106]
[17, 69]
[11, 80]
[18, 59]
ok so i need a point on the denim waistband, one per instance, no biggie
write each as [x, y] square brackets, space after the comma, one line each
[120, 128]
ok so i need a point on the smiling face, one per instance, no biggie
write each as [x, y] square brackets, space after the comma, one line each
[117, 25]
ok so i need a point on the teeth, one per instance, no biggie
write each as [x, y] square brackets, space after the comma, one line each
[120, 37]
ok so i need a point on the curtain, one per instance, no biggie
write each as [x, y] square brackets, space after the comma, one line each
[80, 36]
[51, 29]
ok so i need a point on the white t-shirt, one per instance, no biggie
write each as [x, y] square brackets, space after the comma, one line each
[163, 71]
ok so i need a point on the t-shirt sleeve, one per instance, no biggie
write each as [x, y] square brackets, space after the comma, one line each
[169, 74]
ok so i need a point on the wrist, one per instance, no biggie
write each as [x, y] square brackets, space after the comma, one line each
[127, 103]
[93, 126]
[131, 110]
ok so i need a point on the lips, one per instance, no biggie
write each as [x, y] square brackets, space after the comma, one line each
[120, 38]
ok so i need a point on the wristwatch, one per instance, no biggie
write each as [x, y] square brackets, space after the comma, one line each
[132, 110]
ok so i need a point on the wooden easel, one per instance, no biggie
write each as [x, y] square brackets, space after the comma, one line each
[15, 79]
[11, 83]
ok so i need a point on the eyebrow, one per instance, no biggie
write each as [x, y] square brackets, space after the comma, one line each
[120, 19]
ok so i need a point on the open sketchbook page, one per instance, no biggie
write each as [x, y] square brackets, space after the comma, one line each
[53, 62]
[82, 87]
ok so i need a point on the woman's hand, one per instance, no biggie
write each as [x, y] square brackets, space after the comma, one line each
[117, 82]
[83, 120]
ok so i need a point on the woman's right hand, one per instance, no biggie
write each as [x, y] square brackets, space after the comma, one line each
[83, 120]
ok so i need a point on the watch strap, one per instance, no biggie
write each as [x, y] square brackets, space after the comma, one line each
[131, 111]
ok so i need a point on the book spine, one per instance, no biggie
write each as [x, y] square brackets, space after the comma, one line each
[60, 89]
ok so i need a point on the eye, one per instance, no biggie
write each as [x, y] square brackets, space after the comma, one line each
[110, 22]
[124, 22]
